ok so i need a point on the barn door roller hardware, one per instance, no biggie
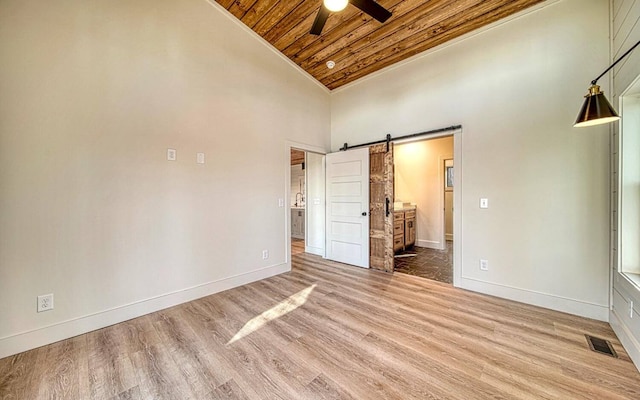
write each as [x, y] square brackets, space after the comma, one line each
[390, 139]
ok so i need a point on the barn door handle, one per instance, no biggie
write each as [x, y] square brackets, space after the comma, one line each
[386, 207]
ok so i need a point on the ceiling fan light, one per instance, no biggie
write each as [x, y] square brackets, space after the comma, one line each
[336, 5]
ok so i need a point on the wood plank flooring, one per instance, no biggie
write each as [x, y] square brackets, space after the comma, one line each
[330, 331]
[297, 246]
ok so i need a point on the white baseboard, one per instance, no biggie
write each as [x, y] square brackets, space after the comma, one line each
[626, 337]
[314, 250]
[430, 244]
[20, 342]
[545, 300]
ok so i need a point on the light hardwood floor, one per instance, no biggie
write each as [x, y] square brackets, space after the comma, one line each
[329, 331]
[297, 246]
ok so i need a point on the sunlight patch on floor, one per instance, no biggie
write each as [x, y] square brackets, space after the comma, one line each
[284, 307]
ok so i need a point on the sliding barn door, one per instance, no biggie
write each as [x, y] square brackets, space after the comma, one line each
[347, 212]
[381, 198]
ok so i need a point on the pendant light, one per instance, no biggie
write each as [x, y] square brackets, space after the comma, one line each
[596, 109]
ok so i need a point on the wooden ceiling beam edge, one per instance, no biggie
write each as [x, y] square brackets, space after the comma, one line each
[387, 37]
[226, 3]
[387, 30]
[423, 46]
[239, 8]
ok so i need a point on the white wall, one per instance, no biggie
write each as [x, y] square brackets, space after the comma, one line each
[625, 296]
[92, 94]
[516, 90]
[419, 179]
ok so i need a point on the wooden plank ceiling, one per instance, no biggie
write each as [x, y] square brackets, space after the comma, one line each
[297, 157]
[358, 44]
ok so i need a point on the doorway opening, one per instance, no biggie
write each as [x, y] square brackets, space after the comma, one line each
[306, 202]
[297, 201]
[423, 208]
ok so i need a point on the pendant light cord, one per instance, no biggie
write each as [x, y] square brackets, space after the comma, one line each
[593, 82]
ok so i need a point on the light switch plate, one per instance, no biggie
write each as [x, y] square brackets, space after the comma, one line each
[484, 203]
[200, 158]
[280, 202]
[172, 154]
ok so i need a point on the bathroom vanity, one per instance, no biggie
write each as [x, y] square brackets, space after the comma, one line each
[297, 222]
[404, 226]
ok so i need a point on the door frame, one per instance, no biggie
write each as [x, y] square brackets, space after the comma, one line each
[457, 198]
[442, 192]
[458, 163]
[289, 144]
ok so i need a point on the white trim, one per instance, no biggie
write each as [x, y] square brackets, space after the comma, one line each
[441, 191]
[630, 344]
[314, 250]
[288, 145]
[457, 207]
[251, 32]
[429, 244]
[27, 340]
[540, 299]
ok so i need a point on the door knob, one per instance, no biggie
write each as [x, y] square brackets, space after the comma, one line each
[364, 213]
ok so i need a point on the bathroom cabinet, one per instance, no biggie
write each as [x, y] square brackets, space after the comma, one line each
[404, 228]
[297, 223]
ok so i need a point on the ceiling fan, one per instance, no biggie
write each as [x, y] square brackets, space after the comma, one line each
[367, 6]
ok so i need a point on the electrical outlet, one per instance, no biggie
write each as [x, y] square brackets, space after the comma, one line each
[265, 254]
[45, 302]
[484, 265]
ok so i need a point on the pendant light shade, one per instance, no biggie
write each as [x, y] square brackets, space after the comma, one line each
[336, 5]
[596, 109]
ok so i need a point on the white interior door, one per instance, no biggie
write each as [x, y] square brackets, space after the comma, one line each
[347, 216]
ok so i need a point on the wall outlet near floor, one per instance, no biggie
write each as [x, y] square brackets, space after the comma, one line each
[45, 302]
[484, 265]
[265, 254]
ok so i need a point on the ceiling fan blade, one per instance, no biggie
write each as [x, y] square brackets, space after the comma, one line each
[321, 19]
[372, 8]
